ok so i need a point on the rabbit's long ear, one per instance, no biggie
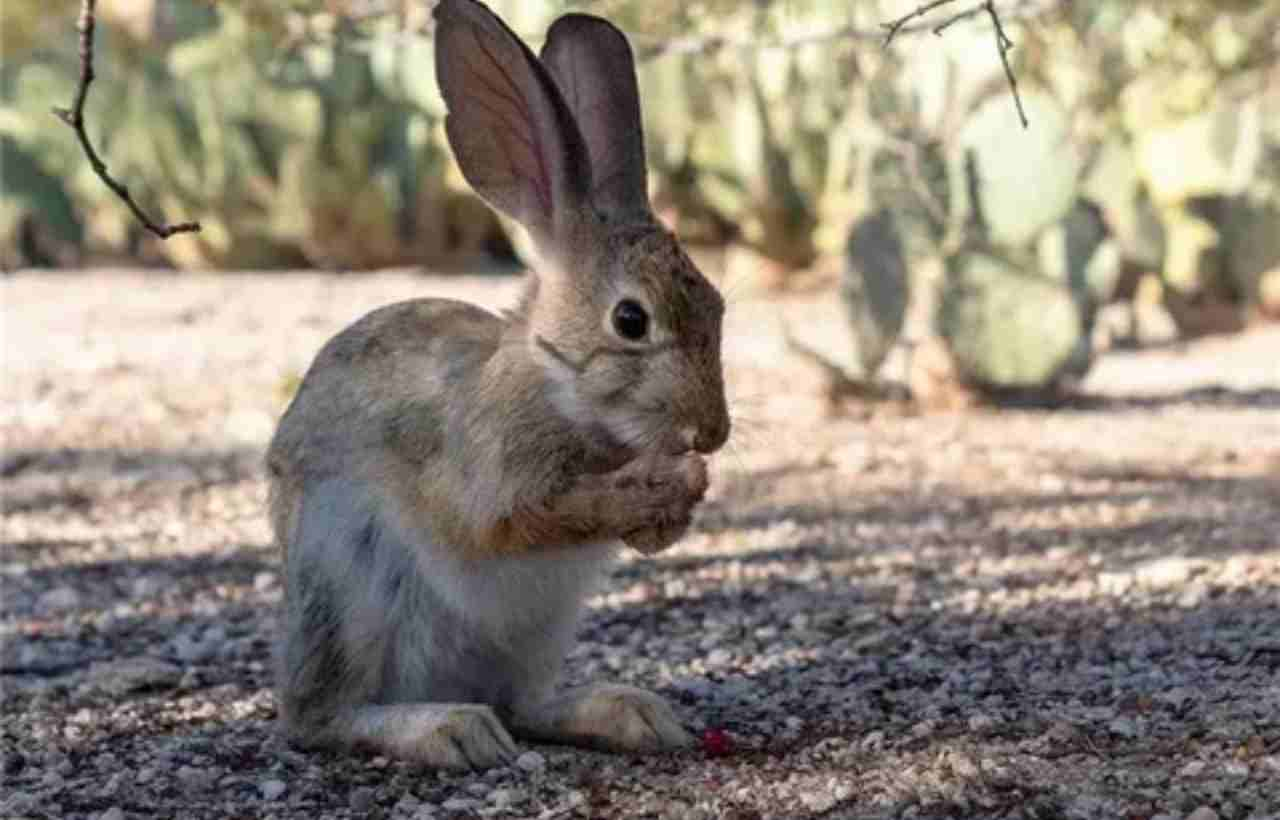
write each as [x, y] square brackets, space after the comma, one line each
[593, 65]
[515, 139]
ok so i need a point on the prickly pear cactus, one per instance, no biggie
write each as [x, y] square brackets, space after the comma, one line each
[38, 223]
[1025, 179]
[1114, 184]
[1008, 327]
[1079, 252]
[874, 287]
[1251, 230]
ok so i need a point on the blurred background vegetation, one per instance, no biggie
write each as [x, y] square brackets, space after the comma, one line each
[1142, 205]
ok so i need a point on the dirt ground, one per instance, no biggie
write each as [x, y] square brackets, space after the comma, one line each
[1015, 614]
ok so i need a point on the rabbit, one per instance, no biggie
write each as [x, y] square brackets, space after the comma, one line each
[448, 485]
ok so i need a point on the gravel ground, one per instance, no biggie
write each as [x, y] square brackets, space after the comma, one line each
[1070, 614]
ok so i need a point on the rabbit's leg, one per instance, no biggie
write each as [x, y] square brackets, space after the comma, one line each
[351, 592]
[328, 683]
[604, 716]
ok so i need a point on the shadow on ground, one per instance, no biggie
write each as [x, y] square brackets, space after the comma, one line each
[949, 653]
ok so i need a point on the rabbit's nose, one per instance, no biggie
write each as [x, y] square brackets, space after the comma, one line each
[711, 434]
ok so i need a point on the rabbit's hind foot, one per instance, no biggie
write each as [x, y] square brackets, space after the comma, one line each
[605, 716]
[438, 735]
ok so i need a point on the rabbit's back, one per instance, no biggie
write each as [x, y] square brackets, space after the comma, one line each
[375, 402]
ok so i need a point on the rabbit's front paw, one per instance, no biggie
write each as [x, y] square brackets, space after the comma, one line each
[654, 539]
[681, 482]
[648, 501]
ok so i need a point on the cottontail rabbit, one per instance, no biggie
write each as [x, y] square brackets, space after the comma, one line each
[447, 485]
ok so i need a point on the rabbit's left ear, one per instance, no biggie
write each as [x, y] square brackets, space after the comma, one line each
[592, 64]
[515, 139]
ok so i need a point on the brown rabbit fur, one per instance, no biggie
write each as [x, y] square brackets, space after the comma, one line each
[448, 485]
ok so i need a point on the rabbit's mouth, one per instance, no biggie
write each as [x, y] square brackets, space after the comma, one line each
[681, 441]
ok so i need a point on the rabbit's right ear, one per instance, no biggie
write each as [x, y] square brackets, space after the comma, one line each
[515, 139]
[596, 72]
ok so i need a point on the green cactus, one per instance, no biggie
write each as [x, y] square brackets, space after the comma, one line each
[1008, 327]
[1251, 232]
[328, 154]
[875, 287]
[1079, 252]
[1114, 183]
[1025, 179]
[38, 223]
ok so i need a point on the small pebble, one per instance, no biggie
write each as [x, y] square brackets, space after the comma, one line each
[503, 797]
[189, 649]
[14, 762]
[60, 598]
[1165, 572]
[150, 586]
[273, 789]
[113, 813]
[1203, 813]
[460, 804]
[362, 799]
[196, 780]
[20, 803]
[719, 657]
[697, 688]
[127, 675]
[479, 789]
[406, 805]
[962, 765]
[531, 762]
[1193, 769]
[115, 783]
[874, 741]
[1235, 768]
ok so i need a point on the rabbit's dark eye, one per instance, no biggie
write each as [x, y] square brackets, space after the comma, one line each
[630, 320]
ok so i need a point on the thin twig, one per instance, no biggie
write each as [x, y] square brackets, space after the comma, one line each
[650, 48]
[1003, 44]
[74, 117]
[956, 18]
[893, 27]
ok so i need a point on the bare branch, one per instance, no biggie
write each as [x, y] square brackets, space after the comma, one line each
[74, 117]
[649, 48]
[894, 26]
[957, 17]
[1003, 44]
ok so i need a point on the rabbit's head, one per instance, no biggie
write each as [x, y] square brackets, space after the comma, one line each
[625, 326]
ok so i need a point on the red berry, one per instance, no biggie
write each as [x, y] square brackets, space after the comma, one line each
[716, 743]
